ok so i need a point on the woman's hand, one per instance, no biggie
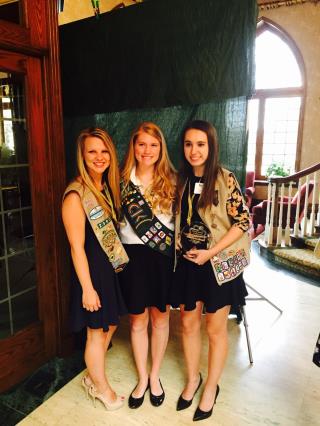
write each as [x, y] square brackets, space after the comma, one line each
[90, 300]
[199, 257]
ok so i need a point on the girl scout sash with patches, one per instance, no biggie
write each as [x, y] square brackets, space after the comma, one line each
[146, 225]
[102, 226]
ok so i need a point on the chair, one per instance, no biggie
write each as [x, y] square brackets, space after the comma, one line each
[249, 190]
[259, 211]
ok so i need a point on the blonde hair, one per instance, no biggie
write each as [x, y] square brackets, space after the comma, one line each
[111, 175]
[163, 185]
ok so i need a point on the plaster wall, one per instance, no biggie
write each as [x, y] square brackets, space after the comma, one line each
[84, 9]
[302, 23]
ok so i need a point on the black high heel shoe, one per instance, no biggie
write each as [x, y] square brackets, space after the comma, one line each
[137, 402]
[182, 403]
[201, 415]
[157, 400]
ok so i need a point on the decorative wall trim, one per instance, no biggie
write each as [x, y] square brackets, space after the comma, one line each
[269, 4]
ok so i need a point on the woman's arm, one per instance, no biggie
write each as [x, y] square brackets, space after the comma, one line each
[74, 220]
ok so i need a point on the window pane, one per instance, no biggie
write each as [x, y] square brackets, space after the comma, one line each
[280, 132]
[1, 237]
[3, 281]
[4, 320]
[10, 11]
[253, 109]
[276, 65]
[16, 188]
[22, 272]
[24, 310]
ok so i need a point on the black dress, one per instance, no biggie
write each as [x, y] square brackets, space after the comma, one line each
[146, 280]
[193, 283]
[105, 282]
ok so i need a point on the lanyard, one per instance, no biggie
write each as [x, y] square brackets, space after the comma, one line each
[190, 208]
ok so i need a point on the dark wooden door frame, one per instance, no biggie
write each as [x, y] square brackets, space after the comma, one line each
[36, 46]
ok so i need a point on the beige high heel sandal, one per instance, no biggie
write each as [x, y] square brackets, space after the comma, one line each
[85, 385]
[110, 406]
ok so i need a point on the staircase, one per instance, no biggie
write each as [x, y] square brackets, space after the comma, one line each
[300, 258]
[294, 246]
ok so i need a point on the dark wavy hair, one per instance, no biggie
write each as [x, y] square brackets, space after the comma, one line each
[212, 166]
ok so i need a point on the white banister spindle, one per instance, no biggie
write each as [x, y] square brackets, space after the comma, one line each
[266, 228]
[317, 190]
[305, 209]
[313, 207]
[296, 222]
[273, 202]
[318, 216]
[279, 232]
[287, 231]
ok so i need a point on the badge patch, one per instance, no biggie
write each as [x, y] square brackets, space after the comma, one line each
[96, 212]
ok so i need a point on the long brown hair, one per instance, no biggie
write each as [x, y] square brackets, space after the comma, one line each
[211, 169]
[111, 175]
[163, 185]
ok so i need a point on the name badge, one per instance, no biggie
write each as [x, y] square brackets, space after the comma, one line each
[198, 187]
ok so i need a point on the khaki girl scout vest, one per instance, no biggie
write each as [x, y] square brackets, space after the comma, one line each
[230, 262]
[102, 226]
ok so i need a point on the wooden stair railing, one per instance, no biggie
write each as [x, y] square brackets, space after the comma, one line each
[279, 227]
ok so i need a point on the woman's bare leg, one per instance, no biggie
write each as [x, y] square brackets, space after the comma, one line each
[217, 355]
[191, 340]
[159, 341]
[140, 345]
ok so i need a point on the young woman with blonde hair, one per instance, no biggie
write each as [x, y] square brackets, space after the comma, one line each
[90, 212]
[148, 187]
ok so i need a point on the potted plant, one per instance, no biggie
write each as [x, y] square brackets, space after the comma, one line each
[276, 169]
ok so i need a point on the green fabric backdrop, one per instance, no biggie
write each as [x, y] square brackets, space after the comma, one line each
[228, 116]
[166, 61]
[157, 54]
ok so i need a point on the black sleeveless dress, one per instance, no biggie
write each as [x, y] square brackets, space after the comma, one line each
[193, 283]
[105, 282]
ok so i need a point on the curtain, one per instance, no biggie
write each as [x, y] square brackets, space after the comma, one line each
[228, 116]
[166, 61]
[157, 54]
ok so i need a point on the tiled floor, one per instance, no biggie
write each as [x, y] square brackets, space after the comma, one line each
[281, 388]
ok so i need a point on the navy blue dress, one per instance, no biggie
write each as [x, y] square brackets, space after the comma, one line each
[105, 282]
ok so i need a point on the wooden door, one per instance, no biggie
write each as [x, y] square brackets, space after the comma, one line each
[28, 301]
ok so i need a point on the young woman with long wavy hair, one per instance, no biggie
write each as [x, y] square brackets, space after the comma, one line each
[90, 212]
[148, 187]
[212, 250]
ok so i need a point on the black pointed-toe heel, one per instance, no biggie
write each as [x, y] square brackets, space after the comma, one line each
[201, 415]
[137, 402]
[182, 403]
[157, 400]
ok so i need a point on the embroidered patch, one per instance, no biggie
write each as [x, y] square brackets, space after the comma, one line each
[228, 265]
[96, 212]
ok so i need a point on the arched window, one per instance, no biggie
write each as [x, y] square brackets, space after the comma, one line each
[275, 110]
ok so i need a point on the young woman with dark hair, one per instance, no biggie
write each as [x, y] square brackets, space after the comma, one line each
[212, 250]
